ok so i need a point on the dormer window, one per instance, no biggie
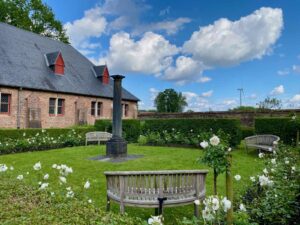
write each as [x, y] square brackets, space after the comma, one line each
[101, 72]
[56, 62]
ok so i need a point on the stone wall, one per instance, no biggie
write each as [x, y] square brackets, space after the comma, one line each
[247, 118]
[35, 105]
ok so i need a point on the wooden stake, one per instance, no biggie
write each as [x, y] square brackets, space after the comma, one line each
[229, 191]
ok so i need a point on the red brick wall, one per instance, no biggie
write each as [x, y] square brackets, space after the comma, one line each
[73, 104]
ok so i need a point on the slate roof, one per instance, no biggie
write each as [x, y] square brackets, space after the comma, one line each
[99, 70]
[51, 58]
[23, 64]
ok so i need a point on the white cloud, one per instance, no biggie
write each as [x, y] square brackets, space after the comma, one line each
[283, 72]
[169, 26]
[207, 94]
[277, 90]
[226, 42]
[185, 69]
[252, 96]
[204, 79]
[153, 93]
[165, 11]
[150, 55]
[92, 24]
[295, 98]
[229, 102]
[196, 102]
[296, 68]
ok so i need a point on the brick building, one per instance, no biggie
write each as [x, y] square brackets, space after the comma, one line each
[46, 83]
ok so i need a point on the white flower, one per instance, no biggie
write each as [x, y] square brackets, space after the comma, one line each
[215, 204]
[242, 207]
[293, 168]
[270, 149]
[207, 215]
[287, 162]
[265, 171]
[37, 166]
[273, 161]
[63, 179]
[229, 149]
[69, 189]
[155, 220]
[46, 177]
[40, 183]
[265, 181]
[261, 155]
[275, 142]
[52, 193]
[293, 117]
[11, 168]
[44, 186]
[20, 177]
[272, 170]
[252, 179]
[24, 134]
[70, 194]
[90, 201]
[204, 144]
[87, 185]
[27, 173]
[214, 140]
[226, 204]
[237, 177]
[197, 202]
[3, 168]
[54, 166]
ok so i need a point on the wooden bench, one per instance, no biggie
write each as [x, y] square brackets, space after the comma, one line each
[97, 136]
[155, 189]
[266, 142]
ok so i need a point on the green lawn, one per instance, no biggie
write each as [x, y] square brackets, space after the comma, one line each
[155, 158]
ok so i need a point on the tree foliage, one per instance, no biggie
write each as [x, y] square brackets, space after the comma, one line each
[32, 15]
[243, 109]
[270, 103]
[170, 101]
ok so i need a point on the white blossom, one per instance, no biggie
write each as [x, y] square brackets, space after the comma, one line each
[90, 201]
[157, 220]
[229, 149]
[237, 177]
[207, 215]
[52, 193]
[273, 161]
[3, 168]
[20, 177]
[215, 204]
[226, 204]
[63, 179]
[265, 181]
[252, 179]
[265, 171]
[46, 176]
[197, 202]
[275, 142]
[204, 144]
[242, 207]
[37, 166]
[215, 140]
[287, 162]
[261, 155]
[44, 186]
[11, 168]
[293, 168]
[87, 185]
[70, 194]
[54, 166]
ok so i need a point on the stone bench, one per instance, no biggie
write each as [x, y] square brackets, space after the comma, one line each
[97, 136]
[155, 189]
[265, 142]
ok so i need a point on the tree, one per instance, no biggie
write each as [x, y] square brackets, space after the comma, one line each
[170, 101]
[269, 103]
[32, 15]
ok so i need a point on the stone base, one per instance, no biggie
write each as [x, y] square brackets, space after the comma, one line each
[116, 147]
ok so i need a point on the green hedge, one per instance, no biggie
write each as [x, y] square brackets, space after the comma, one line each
[230, 126]
[285, 128]
[247, 131]
[131, 128]
[30, 132]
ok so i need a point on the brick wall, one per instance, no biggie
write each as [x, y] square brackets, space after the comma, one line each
[76, 107]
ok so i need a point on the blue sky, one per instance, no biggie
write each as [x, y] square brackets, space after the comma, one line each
[204, 49]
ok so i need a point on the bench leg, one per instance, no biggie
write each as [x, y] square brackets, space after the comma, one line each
[108, 204]
[196, 211]
[122, 208]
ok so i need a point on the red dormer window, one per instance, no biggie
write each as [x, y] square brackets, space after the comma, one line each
[56, 62]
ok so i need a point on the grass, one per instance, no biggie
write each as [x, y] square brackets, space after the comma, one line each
[155, 158]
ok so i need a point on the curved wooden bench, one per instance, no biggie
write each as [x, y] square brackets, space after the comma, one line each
[148, 188]
[266, 142]
[97, 136]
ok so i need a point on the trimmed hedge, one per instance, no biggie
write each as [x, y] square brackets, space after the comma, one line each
[285, 128]
[131, 128]
[247, 131]
[232, 127]
[16, 134]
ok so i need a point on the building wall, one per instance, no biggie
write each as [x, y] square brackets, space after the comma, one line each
[76, 108]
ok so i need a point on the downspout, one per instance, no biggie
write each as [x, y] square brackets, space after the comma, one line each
[19, 108]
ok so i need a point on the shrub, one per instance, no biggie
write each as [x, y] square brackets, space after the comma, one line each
[274, 196]
[285, 128]
[131, 128]
[197, 126]
[247, 131]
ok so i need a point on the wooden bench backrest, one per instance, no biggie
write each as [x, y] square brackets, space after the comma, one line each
[149, 185]
[262, 139]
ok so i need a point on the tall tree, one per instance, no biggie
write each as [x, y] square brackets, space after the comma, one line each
[170, 101]
[32, 15]
[270, 103]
